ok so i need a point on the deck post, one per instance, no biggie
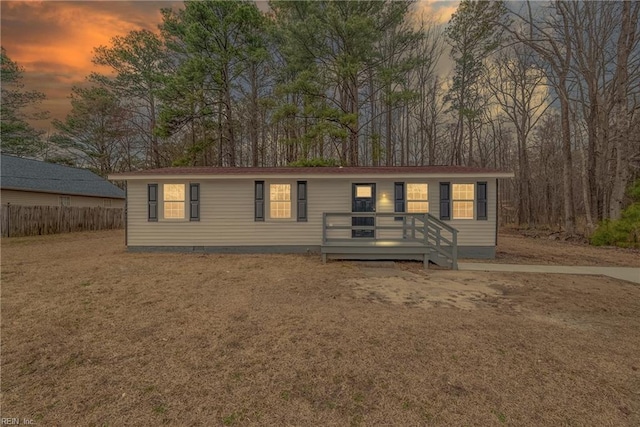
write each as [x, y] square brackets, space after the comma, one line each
[454, 251]
[425, 232]
[413, 226]
[324, 228]
[404, 226]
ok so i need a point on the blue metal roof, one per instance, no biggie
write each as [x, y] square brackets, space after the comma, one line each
[33, 175]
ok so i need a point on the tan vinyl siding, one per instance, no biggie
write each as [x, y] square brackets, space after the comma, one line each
[385, 203]
[227, 213]
[471, 232]
[33, 198]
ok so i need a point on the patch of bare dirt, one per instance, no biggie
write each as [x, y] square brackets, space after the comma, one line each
[93, 335]
[462, 290]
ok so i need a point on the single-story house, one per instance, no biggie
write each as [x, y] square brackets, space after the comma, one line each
[30, 182]
[435, 213]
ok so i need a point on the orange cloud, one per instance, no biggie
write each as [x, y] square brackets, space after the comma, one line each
[439, 11]
[54, 40]
[64, 32]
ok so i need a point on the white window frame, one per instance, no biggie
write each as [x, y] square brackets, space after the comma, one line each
[176, 201]
[106, 203]
[65, 201]
[409, 200]
[273, 202]
[463, 198]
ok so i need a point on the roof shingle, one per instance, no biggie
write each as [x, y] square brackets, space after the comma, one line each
[347, 170]
[33, 175]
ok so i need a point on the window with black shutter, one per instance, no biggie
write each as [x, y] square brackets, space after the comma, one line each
[259, 201]
[399, 199]
[152, 202]
[445, 200]
[194, 202]
[302, 201]
[417, 196]
[481, 202]
[462, 200]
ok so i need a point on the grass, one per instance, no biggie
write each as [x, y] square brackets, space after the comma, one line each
[501, 417]
[232, 419]
[194, 339]
[160, 409]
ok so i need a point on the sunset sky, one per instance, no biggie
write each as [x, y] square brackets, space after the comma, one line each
[54, 40]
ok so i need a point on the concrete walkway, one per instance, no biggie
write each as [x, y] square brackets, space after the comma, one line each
[629, 274]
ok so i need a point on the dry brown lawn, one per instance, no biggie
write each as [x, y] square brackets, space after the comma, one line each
[515, 248]
[93, 335]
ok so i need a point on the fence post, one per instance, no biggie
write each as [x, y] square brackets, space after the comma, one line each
[8, 219]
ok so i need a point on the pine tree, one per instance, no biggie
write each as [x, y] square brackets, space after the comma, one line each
[17, 107]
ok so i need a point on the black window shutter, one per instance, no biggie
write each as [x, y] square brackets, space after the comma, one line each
[302, 201]
[399, 199]
[152, 201]
[445, 200]
[194, 202]
[259, 201]
[481, 203]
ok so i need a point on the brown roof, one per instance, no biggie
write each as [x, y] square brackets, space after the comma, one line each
[347, 170]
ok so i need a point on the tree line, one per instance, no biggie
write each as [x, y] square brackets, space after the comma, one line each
[549, 91]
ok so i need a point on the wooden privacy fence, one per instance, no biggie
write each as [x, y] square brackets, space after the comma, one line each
[17, 220]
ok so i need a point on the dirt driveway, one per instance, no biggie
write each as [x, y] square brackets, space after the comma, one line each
[92, 335]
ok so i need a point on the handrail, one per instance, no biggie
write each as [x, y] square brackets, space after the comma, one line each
[389, 214]
[417, 216]
[441, 223]
[401, 226]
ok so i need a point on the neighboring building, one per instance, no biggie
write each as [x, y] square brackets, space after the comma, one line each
[345, 212]
[35, 183]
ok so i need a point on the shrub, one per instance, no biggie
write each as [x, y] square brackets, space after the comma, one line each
[315, 162]
[624, 232]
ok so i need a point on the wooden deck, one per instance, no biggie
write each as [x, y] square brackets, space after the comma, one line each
[396, 236]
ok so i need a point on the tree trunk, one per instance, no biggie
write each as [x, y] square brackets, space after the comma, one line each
[621, 119]
[390, 145]
[253, 127]
[585, 191]
[155, 153]
[567, 164]
[470, 126]
[353, 131]
[220, 133]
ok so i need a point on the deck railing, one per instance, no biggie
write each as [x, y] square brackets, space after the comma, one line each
[394, 228]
